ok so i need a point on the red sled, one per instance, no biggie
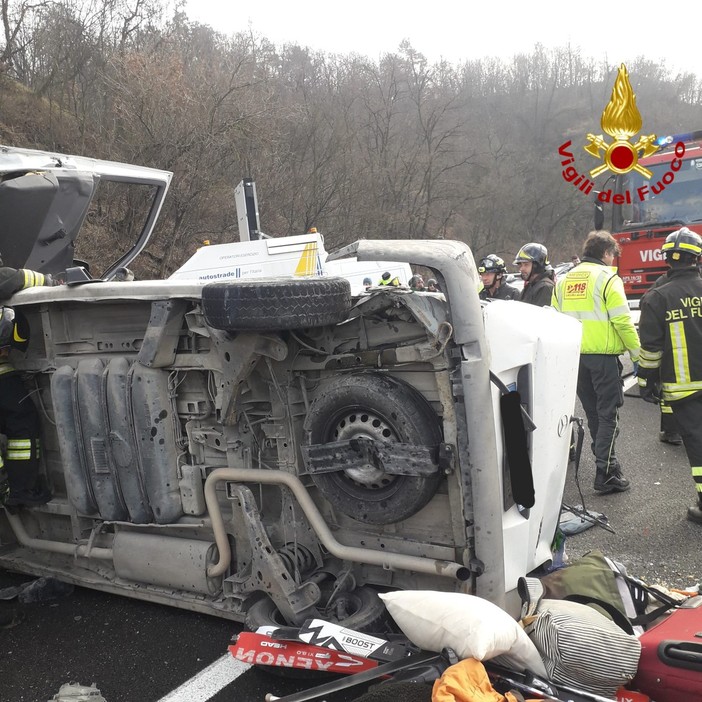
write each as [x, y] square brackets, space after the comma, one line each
[670, 668]
[259, 649]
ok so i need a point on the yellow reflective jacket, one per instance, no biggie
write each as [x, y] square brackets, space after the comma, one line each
[594, 294]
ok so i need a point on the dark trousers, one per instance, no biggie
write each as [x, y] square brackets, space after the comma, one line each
[19, 421]
[668, 423]
[601, 393]
[688, 414]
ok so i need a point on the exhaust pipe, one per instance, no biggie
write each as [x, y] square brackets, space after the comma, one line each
[389, 561]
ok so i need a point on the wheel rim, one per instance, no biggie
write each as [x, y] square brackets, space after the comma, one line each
[364, 424]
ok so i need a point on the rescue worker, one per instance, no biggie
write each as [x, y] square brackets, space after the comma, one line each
[432, 285]
[492, 270]
[19, 419]
[388, 279]
[532, 262]
[367, 283]
[593, 293]
[671, 347]
[668, 432]
[416, 282]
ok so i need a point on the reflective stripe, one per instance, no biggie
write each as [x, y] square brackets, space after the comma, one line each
[16, 336]
[19, 443]
[696, 385]
[678, 391]
[19, 449]
[665, 408]
[680, 362]
[19, 455]
[619, 311]
[32, 278]
[650, 359]
[697, 477]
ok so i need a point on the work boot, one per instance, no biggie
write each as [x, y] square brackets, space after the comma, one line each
[694, 513]
[613, 482]
[670, 438]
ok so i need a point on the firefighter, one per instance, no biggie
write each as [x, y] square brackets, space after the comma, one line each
[668, 433]
[388, 279]
[19, 420]
[492, 270]
[532, 261]
[594, 294]
[671, 347]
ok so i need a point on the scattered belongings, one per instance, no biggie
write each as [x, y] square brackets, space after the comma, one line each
[586, 631]
[576, 518]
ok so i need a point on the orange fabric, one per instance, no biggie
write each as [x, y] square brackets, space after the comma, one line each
[468, 681]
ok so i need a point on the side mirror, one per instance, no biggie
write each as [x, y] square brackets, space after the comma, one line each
[77, 275]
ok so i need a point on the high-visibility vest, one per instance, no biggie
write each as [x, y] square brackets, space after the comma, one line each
[594, 294]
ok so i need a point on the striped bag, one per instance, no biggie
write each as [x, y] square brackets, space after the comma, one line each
[582, 648]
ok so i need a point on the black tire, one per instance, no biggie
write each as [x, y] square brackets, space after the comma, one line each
[382, 408]
[268, 304]
[367, 613]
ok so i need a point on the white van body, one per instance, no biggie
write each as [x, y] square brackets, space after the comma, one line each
[251, 440]
[302, 255]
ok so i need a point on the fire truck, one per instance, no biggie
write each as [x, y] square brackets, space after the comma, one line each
[646, 209]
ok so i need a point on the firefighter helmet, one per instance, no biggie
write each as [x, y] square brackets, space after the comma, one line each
[536, 253]
[492, 264]
[682, 241]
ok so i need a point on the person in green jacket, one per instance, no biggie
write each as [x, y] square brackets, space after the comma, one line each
[593, 293]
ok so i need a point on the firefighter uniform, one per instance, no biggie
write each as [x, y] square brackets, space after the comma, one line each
[538, 290]
[593, 293]
[669, 433]
[538, 285]
[671, 357]
[19, 420]
[498, 289]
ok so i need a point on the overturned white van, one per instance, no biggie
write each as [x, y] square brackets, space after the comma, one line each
[276, 449]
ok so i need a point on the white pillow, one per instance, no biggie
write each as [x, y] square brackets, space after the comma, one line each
[471, 626]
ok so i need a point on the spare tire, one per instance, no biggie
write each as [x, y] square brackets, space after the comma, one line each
[381, 408]
[268, 304]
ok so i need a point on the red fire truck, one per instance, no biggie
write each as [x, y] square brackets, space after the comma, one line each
[646, 209]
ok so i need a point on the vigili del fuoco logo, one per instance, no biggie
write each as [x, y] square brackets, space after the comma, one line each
[621, 120]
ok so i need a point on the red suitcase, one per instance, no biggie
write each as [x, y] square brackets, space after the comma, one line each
[670, 669]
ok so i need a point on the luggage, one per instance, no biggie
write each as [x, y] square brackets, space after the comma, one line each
[670, 668]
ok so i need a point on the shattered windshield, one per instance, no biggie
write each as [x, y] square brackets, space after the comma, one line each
[651, 201]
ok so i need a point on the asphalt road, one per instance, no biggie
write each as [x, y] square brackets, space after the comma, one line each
[137, 652]
[653, 539]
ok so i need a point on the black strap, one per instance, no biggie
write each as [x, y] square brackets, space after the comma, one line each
[645, 619]
[621, 620]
